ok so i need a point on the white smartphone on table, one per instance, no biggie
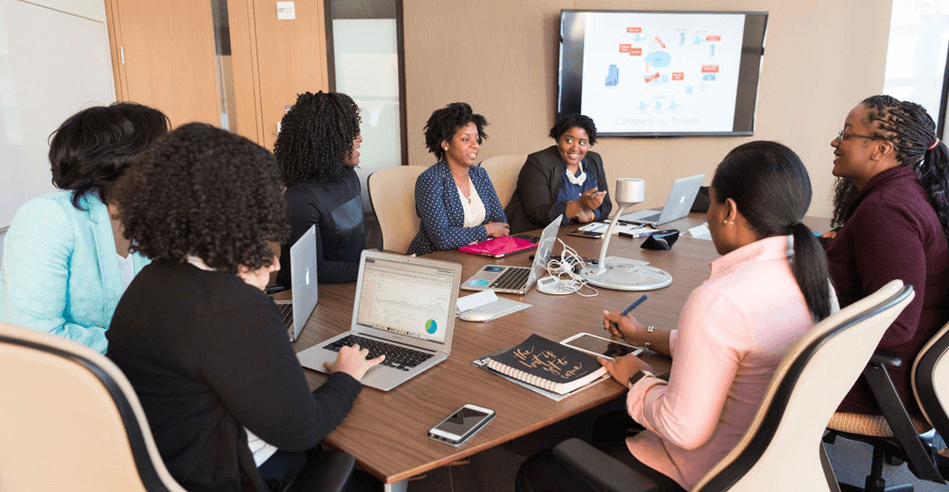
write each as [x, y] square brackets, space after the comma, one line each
[600, 347]
[461, 424]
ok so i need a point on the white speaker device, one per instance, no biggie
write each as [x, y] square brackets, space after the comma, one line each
[622, 273]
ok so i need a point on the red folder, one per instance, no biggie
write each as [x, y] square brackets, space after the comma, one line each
[501, 246]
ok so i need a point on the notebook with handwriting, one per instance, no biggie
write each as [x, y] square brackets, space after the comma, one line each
[548, 365]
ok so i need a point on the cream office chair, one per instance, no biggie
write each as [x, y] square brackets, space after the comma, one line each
[70, 420]
[782, 449]
[503, 171]
[897, 433]
[392, 193]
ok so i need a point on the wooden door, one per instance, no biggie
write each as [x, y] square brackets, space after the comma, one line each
[291, 58]
[163, 56]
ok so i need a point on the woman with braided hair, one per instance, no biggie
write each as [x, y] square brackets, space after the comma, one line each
[317, 150]
[891, 208]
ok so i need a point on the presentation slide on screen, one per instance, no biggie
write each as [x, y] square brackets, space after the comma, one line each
[654, 72]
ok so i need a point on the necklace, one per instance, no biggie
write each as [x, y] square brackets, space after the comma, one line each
[579, 179]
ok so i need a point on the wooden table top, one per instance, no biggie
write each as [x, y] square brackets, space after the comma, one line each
[387, 431]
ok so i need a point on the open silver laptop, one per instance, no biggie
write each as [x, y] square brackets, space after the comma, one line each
[678, 203]
[405, 308]
[515, 279]
[303, 285]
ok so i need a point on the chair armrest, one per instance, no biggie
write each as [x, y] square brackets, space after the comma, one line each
[325, 470]
[887, 357]
[600, 469]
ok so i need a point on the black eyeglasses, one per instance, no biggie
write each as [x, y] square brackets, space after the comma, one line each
[843, 136]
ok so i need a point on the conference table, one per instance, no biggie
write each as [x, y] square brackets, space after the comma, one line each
[387, 432]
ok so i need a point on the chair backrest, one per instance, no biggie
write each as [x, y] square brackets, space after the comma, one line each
[930, 380]
[70, 420]
[503, 171]
[782, 448]
[392, 193]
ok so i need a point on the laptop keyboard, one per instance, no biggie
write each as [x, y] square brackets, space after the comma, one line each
[512, 278]
[397, 357]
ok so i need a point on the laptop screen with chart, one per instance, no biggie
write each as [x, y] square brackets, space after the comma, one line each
[404, 309]
[405, 299]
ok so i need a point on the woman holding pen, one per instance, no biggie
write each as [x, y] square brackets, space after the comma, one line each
[769, 287]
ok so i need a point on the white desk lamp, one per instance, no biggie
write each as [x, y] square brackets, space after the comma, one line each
[622, 273]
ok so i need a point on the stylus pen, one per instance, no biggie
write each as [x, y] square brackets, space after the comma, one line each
[632, 306]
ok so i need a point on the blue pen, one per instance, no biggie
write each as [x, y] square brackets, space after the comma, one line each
[632, 306]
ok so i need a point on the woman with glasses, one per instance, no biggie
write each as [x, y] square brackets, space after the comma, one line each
[892, 215]
[566, 179]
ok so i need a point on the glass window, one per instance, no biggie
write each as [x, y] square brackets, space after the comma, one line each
[917, 52]
[365, 65]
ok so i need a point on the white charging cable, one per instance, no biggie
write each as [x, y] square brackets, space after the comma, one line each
[565, 270]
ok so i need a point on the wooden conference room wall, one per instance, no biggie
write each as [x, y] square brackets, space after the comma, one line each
[821, 58]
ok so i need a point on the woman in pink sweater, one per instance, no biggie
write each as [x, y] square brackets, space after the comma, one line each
[768, 288]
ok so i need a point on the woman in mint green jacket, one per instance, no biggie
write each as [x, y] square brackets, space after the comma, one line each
[65, 260]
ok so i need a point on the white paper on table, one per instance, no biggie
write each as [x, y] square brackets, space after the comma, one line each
[701, 232]
[476, 300]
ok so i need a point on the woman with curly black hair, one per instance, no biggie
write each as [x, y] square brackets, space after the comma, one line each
[566, 179]
[203, 346]
[454, 199]
[891, 204]
[317, 149]
[66, 262]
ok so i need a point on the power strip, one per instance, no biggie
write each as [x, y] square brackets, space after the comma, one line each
[553, 286]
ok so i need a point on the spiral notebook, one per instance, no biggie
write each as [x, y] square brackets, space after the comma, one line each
[548, 365]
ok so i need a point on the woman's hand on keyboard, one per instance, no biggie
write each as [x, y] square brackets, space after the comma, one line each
[352, 360]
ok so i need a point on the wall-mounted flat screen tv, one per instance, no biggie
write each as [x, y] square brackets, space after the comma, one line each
[662, 74]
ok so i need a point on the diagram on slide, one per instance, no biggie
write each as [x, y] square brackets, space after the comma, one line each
[662, 73]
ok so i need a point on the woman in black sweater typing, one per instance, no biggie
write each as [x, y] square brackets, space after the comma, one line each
[203, 346]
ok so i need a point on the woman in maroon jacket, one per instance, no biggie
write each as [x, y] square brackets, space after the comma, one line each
[891, 208]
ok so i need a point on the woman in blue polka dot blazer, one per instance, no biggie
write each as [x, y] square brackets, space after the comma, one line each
[455, 199]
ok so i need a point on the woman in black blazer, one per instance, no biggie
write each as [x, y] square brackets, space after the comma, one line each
[564, 179]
